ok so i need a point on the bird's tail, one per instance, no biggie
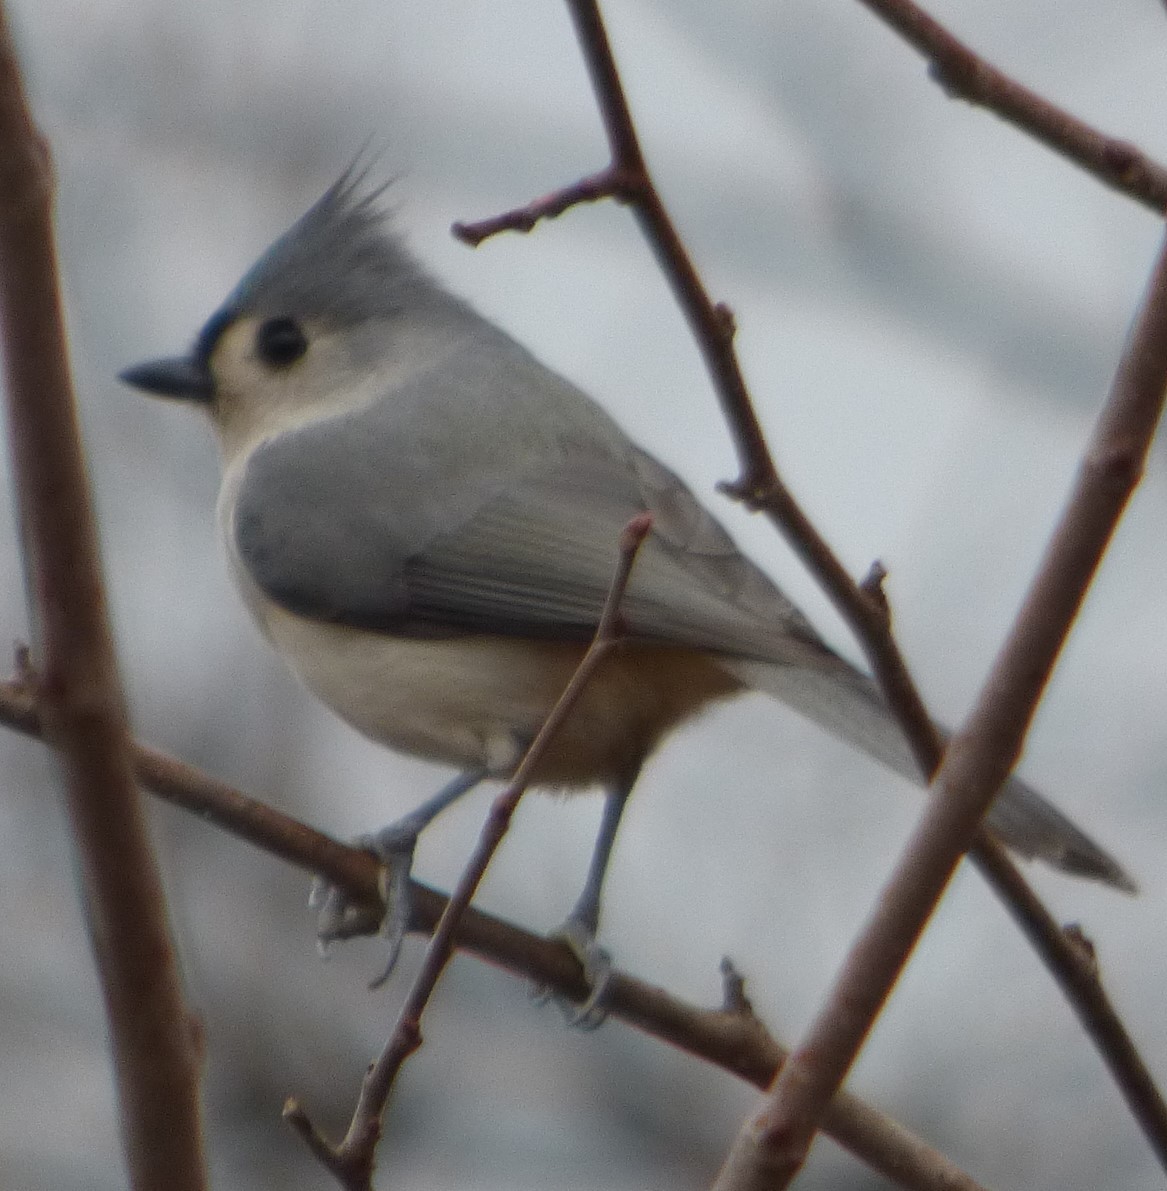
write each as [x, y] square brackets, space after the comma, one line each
[848, 704]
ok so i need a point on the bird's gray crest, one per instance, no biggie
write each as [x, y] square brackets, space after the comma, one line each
[340, 262]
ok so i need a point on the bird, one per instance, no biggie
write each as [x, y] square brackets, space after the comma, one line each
[423, 520]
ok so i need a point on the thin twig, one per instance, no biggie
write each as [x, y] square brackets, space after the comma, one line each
[351, 1161]
[1079, 969]
[965, 74]
[735, 1041]
[773, 1145]
[78, 696]
[608, 183]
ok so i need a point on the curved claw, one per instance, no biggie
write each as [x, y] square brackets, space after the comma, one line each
[596, 962]
[397, 865]
[591, 1014]
[338, 918]
[393, 846]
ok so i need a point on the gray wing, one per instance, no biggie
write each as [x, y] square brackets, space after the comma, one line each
[438, 541]
[384, 520]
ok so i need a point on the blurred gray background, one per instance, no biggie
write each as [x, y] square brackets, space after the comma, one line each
[930, 307]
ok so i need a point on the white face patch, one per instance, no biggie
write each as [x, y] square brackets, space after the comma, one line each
[254, 400]
[341, 371]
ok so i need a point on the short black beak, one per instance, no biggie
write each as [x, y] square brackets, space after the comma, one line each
[182, 377]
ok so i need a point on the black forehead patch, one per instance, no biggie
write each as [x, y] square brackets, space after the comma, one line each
[209, 336]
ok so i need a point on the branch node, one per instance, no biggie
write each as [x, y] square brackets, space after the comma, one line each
[1083, 945]
[954, 82]
[1118, 464]
[755, 492]
[627, 185]
[324, 1151]
[1123, 160]
[874, 595]
[726, 321]
[25, 674]
[733, 990]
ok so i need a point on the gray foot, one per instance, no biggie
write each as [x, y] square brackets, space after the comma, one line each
[338, 918]
[597, 966]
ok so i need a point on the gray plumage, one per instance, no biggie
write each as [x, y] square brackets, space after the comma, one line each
[440, 484]
[516, 537]
[337, 264]
[516, 534]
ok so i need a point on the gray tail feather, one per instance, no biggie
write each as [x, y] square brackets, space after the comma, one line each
[848, 704]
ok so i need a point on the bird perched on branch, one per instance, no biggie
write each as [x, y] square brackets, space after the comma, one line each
[424, 521]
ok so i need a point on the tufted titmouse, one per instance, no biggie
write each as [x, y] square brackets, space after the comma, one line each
[423, 520]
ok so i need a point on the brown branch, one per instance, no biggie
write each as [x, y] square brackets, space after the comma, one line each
[1078, 969]
[773, 1145]
[608, 183]
[961, 72]
[78, 695]
[733, 1039]
[351, 1161]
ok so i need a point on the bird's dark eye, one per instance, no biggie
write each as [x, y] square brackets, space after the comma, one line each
[280, 342]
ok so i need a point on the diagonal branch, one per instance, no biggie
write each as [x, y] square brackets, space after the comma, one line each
[963, 73]
[732, 1039]
[773, 1144]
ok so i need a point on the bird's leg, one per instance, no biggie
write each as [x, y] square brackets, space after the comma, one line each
[579, 930]
[394, 846]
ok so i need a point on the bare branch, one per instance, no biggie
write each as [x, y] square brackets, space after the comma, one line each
[78, 695]
[773, 1145]
[962, 73]
[1079, 969]
[608, 183]
[733, 1040]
